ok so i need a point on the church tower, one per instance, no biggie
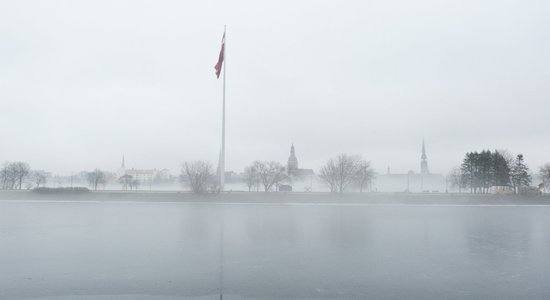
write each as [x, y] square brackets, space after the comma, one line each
[292, 160]
[424, 161]
[122, 170]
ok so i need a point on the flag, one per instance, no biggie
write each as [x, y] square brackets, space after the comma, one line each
[218, 66]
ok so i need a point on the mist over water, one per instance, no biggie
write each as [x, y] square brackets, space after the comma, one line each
[69, 249]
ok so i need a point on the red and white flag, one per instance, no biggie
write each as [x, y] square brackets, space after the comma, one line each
[218, 66]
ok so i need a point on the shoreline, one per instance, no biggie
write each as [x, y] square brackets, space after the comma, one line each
[371, 198]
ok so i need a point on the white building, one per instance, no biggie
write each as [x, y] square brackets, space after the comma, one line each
[144, 175]
[410, 181]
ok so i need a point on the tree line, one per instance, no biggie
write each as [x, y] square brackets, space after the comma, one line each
[201, 177]
[482, 171]
[544, 173]
[19, 175]
[14, 175]
[478, 173]
[339, 174]
[345, 170]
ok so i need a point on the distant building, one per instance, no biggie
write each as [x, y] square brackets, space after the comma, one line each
[292, 166]
[284, 188]
[144, 175]
[149, 175]
[122, 170]
[411, 181]
[292, 163]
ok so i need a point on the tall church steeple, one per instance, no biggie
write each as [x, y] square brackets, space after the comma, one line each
[424, 161]
[122, 170]
[292, 160]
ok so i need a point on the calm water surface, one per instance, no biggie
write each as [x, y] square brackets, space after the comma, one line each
[87, 250]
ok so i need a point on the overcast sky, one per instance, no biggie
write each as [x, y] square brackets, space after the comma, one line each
[84, 82]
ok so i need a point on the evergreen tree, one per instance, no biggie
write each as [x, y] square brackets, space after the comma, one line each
[544, 173]
[501, 170]
[469, 170]
[520, 174]
[482, 170]
[485, 162]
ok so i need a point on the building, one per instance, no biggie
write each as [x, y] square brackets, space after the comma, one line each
[149, 175]
[122, 170]
[292, 163]
[411, 181]
[292, 166]
[144, 175]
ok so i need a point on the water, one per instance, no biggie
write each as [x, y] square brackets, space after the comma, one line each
[98, 250]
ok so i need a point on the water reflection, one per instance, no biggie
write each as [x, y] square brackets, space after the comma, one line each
[231, 251]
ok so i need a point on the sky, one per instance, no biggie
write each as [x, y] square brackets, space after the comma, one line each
[84, 82]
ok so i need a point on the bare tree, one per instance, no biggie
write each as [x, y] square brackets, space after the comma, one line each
[135, 184]
[28, 184]
[544, 173]
[96, 178]
[338, 173]
[328, 174]
[8, 176]
[39, 177]
[13, 174]
[364, 175]
[270, 173]
[199, 173]
[251, 177]
[126, 181]
[456, 178]
[22, 169]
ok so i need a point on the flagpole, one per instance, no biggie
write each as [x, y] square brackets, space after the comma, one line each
[222, 163]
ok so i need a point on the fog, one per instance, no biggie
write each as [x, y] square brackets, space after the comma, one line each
[345, 126]
[83, 83]
[143, 250]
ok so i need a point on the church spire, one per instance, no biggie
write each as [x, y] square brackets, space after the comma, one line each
[423, 150]
[424, 161]
[292, 160]
[122, 166]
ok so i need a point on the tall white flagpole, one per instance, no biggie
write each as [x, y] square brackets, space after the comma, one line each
[222, 160]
